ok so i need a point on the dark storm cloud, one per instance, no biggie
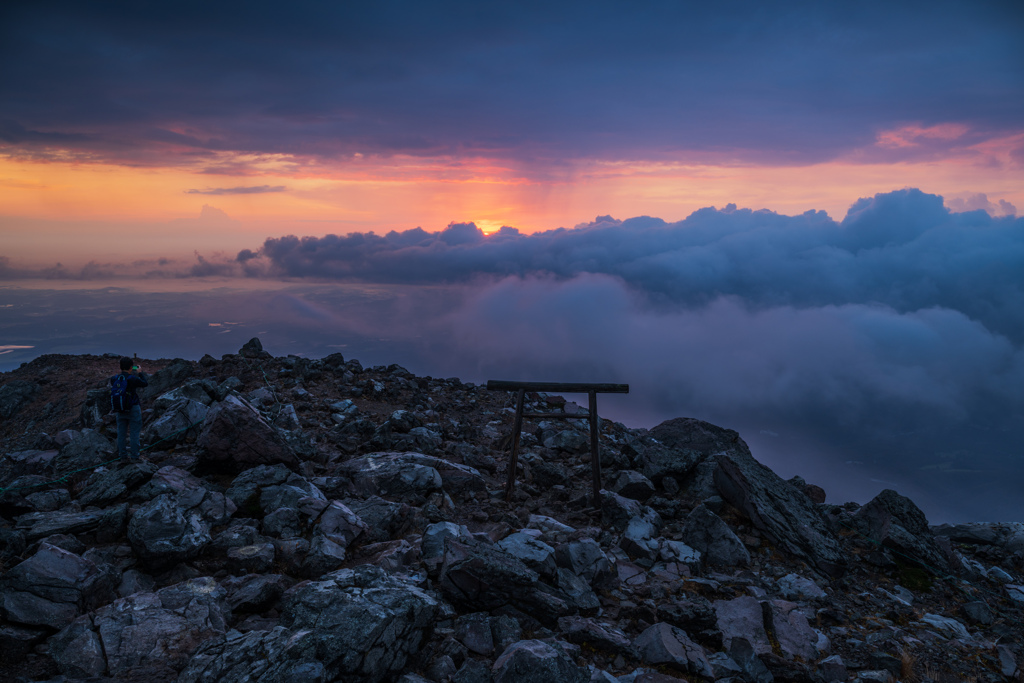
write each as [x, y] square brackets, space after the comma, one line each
[903, 249]
[794, 82]
[258, 189]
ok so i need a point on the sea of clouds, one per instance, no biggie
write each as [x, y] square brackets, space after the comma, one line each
[883, 350]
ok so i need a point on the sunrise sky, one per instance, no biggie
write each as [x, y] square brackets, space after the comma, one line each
[131, 131]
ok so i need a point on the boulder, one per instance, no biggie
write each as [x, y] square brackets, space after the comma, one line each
[143, 636]
[899, 525]
[180, 421]
[533, 552]
[53, 587]
[37, 525]
[235, 434]
[705, 532]
[162, 532]
[168, 377]
[13, 395]
[617, 511]
[784, 514]
[483, 578]
[107, 487]
[585, 559]
[796, 587]
[794, 635]
[742, 618]
[355, 624]
[632, 484]
[591, 633]
[663, 643]
[410, 475]
[88, 448]
[384, 519]
[202, 391]
[535, 661]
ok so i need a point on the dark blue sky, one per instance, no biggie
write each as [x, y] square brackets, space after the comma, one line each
[792, 82]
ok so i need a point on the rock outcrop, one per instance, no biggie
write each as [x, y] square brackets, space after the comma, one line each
[329, 522]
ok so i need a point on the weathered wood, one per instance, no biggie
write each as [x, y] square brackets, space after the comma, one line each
[514, 460]
[591, 389]
[558, 387]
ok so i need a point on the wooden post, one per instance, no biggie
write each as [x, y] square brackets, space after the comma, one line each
[595, 449]
[516, 431]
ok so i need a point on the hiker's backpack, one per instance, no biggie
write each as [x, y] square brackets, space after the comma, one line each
[120, 401]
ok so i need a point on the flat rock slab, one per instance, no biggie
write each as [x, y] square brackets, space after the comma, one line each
[535, 661]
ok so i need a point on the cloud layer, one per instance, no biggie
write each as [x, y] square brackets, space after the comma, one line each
[903, 250]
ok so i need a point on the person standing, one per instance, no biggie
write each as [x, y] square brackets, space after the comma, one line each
[124, 401]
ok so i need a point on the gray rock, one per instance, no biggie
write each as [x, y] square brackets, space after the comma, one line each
[403, 475]
[355, 624]
[897, 523]
[251, 558]
[577, 592]
[432, 542]
[742, 618]
[977, 613]
[18, 641]
[483, 578]
[833, 669]
[569, 441]
[37, 525]
[535, 661]
[235, 433]
[384, 519]
[796, 587]
[592, 633]
[168, 377]
[675, 551]
[284, 523]
[473, 671]
[162, 532]
[255, 593]
[617, 511]
[534, 553]
[202, 391]
[143, 635]
[683, 444]
[724, 666]
[116, 483]
[784, 514]
[53, 587]
[585, 559]
[795, 636]
[88, 449]
[474, 631]
[745, 655]
[706, 532]
[13, 395]
[632, 484]
[253, 349]
[180, 421]
[663, 643]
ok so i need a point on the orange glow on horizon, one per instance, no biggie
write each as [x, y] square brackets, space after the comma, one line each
[83, 207]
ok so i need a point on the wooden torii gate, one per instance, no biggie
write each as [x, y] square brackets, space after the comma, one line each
[592, 390]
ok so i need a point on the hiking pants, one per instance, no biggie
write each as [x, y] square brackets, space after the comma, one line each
[130, 420]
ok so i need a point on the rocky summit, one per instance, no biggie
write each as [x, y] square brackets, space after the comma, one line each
[310, 520]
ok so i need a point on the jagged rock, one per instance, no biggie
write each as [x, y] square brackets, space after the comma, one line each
[706, 532]
[617, 511]
[401, 475]
[432, 542]
[384, 519]
[88, 449]
[631, 484]
[568, 441]
[663, 643]
[577, 592]
[190, 493]
[253, 349]
[479, 577]
[795, 636]
[234, 433]
[146, 635]
[256, 592]
[638, 540]
[592, 633]
[674, 551]
[977, 613]
[355, 624]
[14, 395]
[251, 558]
[742, 618]
[535, 661]
[265, 489]
[534, 553]
[895, 522]
[684, 444]
[473, 671]
[113, 484]
[162, 532]
[746, 656]
[796, 587]
[18, 641]
[284, 523]
[723, 666]
[1006, 535]
[53, 587]
[181, 420]
[773, 506]
[948, 626]
[833, 669]
[202, 391]
[37, 525]
[474, 632]
[168, 377]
